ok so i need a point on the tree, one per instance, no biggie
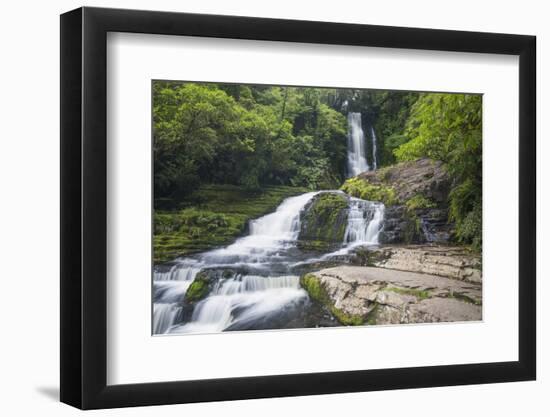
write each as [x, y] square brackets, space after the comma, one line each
[447, 127]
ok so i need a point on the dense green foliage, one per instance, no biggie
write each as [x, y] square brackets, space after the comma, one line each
[447, 127]
[250, 136]
[387, 112]
[214, 216]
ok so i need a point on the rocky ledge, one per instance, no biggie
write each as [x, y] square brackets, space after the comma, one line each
[367, 295]
[446, 261]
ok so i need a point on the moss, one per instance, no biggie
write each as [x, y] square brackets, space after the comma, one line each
[420, 294]
[384, 174]
[419, 202]
[211, 217]
[464, 298]
[347, 319]
[361, 188]
[324, 222]
[372, 317]
[314, 245]
[198, 289]
[312, 284]
[412, 229]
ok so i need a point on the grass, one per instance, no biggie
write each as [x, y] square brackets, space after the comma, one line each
[211, 217]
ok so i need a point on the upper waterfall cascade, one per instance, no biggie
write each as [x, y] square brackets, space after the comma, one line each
[357, 161]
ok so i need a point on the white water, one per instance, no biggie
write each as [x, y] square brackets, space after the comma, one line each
[365, 220]
[265, 287]
[374, 150]
[253, 296]
[169, 287]
[357, 161]
[270, 237]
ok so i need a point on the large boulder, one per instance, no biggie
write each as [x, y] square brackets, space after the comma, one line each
[366, 295]
[323, 221]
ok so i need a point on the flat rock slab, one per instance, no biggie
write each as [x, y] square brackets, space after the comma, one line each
[384, 296]
[446, 261]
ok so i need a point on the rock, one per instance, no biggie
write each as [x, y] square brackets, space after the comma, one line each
[323, 221]
[367, 295]
[446, 261]
[425, 177]
[415, 194]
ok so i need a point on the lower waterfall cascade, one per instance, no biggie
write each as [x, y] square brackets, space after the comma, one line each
[261, 283]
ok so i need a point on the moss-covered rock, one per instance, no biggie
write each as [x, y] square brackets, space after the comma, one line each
[198, 289]
[323, 221]
[317, 291]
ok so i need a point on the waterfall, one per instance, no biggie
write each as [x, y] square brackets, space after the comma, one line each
[242, 300]
[264, 249]
[365, 221]
[269, 236]
[357, 162]
[254, 283]
[374, 150]
[165, 315]
[169, 287]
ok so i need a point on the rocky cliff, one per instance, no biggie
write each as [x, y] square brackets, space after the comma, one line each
[415, 194]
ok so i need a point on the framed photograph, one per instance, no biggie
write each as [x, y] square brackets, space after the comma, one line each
[257, 208]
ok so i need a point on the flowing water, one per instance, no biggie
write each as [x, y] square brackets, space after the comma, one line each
[374, 149]
[257, 285]
[256, 280]
[357, 161]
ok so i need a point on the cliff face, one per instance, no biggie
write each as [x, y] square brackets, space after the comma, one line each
[415, 194]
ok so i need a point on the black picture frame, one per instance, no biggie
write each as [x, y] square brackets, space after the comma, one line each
[84, 207]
